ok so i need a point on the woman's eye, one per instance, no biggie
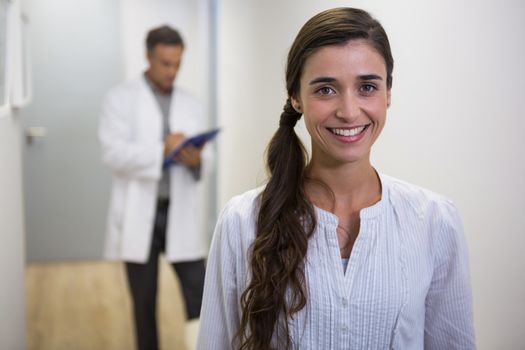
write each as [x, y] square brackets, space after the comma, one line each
[367, 88]
[325, 90]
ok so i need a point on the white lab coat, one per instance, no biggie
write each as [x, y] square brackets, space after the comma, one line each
[132, 145]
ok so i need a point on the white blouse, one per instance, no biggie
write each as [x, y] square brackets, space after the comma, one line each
[406, 286]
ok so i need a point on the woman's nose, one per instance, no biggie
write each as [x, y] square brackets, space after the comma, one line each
[348, 109]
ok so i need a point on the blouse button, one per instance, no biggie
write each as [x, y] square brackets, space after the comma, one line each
[344, 301]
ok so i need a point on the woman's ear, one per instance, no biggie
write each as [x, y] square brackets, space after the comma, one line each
[296, 104]
[388, 97]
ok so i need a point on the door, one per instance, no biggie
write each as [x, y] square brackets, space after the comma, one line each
[76, 58]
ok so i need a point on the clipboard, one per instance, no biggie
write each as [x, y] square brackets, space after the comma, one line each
[196, 141]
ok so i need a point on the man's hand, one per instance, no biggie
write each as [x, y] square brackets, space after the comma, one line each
[172, 141]
[190, 156]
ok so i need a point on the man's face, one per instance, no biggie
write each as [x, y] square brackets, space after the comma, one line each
[164, 62]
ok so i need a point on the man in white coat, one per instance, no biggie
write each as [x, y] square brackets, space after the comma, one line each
[155, 210]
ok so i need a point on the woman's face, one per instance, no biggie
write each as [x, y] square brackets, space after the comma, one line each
[344, 99]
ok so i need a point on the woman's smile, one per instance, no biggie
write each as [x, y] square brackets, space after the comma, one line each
[349, 134]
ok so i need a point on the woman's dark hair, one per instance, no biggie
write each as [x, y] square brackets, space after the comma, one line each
[286, 219]
[163, 35]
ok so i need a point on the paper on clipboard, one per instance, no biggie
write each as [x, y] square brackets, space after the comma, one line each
[196, 140]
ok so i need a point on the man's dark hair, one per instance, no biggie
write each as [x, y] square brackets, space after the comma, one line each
[163, 35]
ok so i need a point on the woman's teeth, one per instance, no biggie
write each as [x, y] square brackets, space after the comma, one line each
[348, 132]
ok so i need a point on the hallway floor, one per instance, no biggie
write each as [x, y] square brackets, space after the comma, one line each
[85, 305]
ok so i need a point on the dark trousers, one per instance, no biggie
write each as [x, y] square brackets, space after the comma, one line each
[142, 281]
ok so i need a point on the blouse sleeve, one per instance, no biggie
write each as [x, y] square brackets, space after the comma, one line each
[448, 317]
[219, 314]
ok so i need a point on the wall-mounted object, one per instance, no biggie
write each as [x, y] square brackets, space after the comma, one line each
[4, 101]
[21, 92]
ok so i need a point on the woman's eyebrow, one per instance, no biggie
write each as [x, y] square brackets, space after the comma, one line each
[321, 80]
[331, 80]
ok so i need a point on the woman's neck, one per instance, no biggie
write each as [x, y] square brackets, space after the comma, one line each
[347, 187]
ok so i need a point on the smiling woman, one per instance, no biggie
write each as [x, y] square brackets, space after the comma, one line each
[344, 100]
[332, 254]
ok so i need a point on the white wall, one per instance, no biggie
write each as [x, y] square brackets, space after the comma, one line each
[455, 124]
[12, 256]
[12, 251]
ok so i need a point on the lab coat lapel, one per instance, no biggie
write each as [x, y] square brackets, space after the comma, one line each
[149, 117]
[182, 118]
